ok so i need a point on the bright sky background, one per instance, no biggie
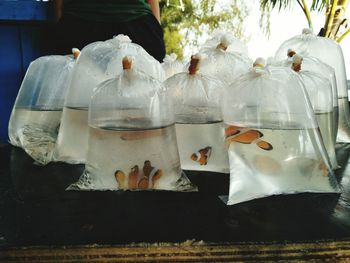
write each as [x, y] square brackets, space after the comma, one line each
[284, 25]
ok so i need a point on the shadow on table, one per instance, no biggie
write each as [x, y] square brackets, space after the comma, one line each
[36, 210]
[306, 216]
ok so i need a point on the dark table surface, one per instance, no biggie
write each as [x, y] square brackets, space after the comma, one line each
[35, 210]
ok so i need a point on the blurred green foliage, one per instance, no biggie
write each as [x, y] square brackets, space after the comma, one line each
[185, 21]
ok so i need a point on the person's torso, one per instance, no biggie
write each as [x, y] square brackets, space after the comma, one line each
[107, 10]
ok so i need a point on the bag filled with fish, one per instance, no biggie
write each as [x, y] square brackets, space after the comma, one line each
[221, 63]
[273, 138]
[199, 127]
[319, 90]
[329, 52]
[36, 115]
[98, 62]
[132, 142]
[172, 66]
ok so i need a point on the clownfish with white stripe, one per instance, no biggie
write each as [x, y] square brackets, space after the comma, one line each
[202, 155]
[246, 136]
[137, 180]
[150, 176]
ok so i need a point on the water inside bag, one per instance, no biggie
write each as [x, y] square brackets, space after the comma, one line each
[291, 165]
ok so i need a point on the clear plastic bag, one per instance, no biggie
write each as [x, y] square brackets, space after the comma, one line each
[172, 66]
[221, 63]
[98, 62]
[235, 45]
[329, 52]
[317, 66]
[319, 90]
[199, 126]
[36, 114]
[273, 138]
[132, 143]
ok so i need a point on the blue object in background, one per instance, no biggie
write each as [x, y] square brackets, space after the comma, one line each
[23, 24]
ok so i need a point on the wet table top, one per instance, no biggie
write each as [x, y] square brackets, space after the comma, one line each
[35, 210]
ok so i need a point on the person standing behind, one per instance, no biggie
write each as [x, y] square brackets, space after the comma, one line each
[81, 22]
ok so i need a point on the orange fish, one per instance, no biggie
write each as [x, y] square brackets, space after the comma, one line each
[231, 130]
[138, 135]
[202, 155]
[323, 167]
[120, 177]
[147, 181]
[156, 176]
[246, 136]
[151, 176]
[143, 183]
[133, 177]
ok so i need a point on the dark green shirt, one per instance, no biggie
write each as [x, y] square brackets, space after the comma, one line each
[107, 10]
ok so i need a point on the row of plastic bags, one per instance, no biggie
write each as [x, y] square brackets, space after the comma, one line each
[218, 114]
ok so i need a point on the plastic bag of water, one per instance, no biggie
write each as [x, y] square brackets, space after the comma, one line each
[132, 143]
[221, 63]
[199, 126]
[98, 62]
[273, 138]
[172, 66]
[36, 114]
[329, 52]
[235, 45]
[316, 66]
[319, 90]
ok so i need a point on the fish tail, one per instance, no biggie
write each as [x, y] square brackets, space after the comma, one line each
[264, 145]
[143, 183]
[157, 175]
